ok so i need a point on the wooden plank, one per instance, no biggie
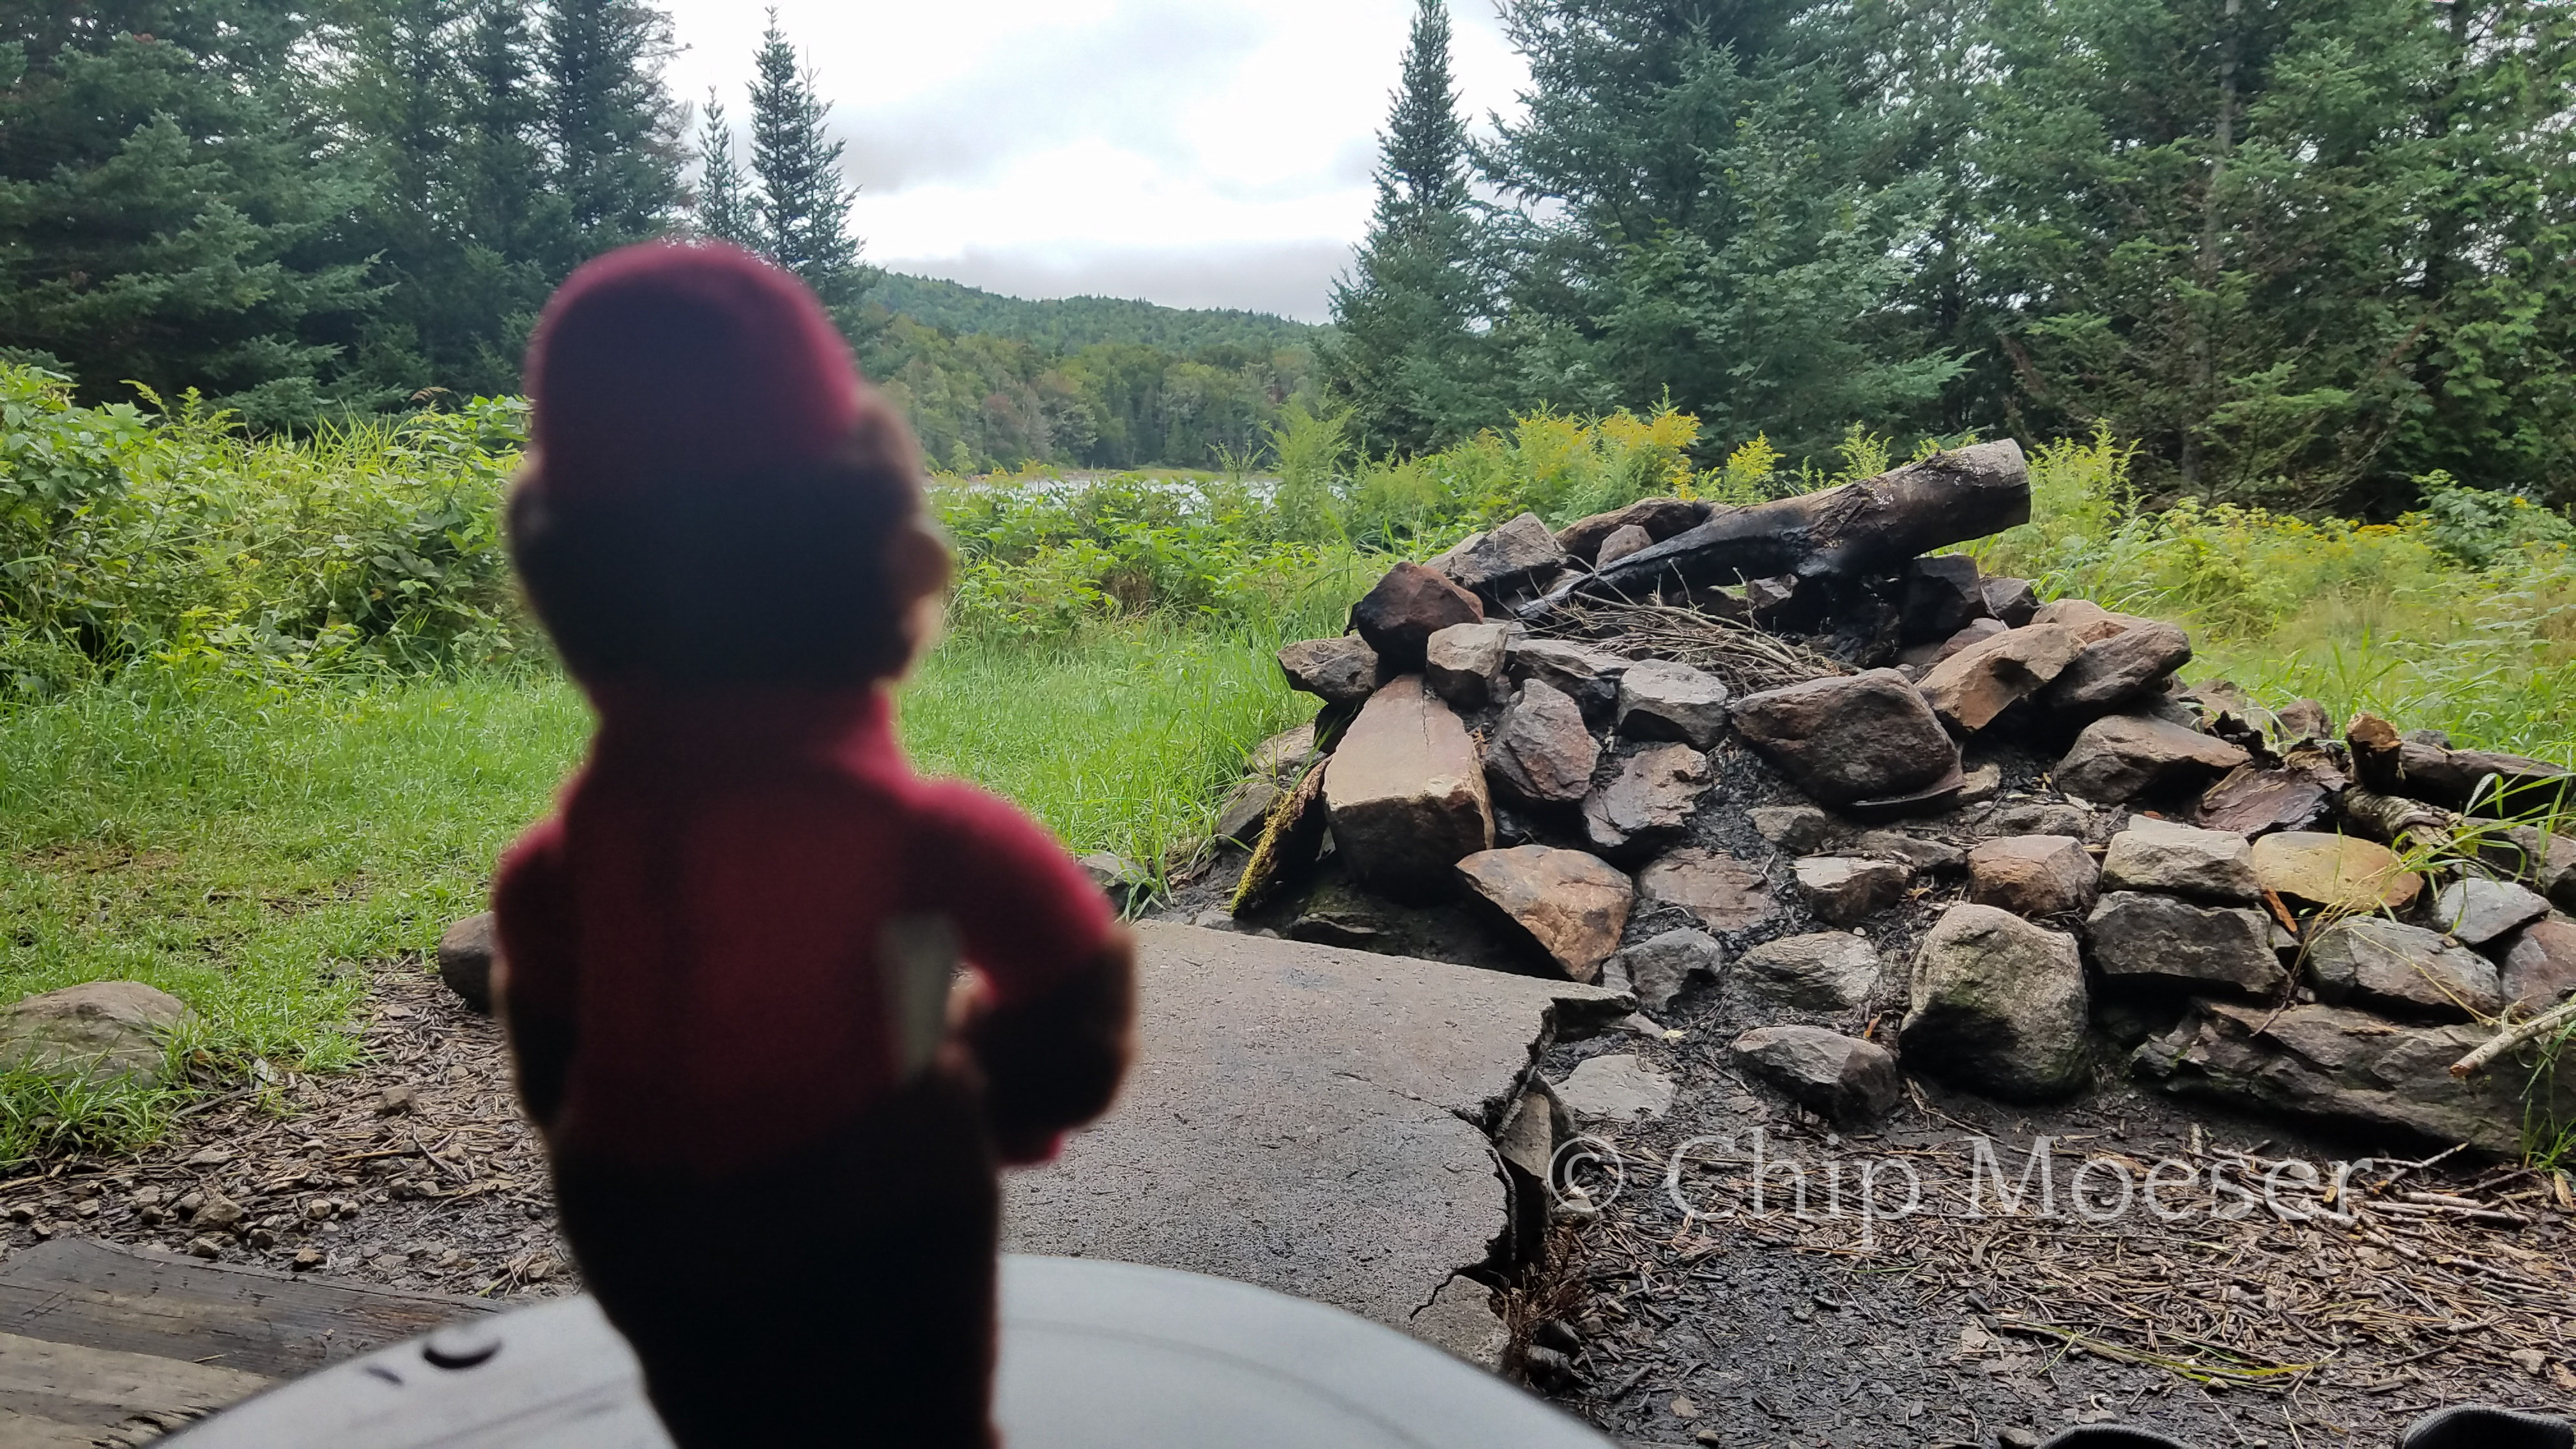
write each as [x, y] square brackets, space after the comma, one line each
[78, 1291]
[52, 1390]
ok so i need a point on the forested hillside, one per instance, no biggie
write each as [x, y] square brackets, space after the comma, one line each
[2302, 251]
[307, 213]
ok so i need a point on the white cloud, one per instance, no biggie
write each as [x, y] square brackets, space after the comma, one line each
[1211, 153]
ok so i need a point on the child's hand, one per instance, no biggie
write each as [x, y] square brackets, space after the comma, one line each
[1052, 1061]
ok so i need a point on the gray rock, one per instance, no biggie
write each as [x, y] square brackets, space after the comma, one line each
[1541, 753]
[1246, 806]
[2011, 600]
[1338, 671]
[1649, 800]
[2370, 962]
[2305, 719]
[1968, 689]
[1623, 541]
[1725, 893]
[1282, 755]
[1850, 739]
[1828, 971]
[98, 1030]
[1113, 873]
[2323, 1064]
[1589, 675]
[2539, 968]
[2042, 817]
[1795, 829]
[1573, 905]
[2475, 910]
[2142, 937]
[1460, 1320]
[1998, 1004]
[1463, 663]
[2548, 861]
[1845, 890]
[2111, 672]
[1660, 967]
[2120, 757]
[1923, 857]
[1853, 1082]
[1405, 794]
[1410, 604]
[1510, 553]
[1981, 784]
[1615, 1088]
[1942, 594]
[1661, 518]
[1661, 700]
[2033, 875]
[2158, 855]
[466, 951]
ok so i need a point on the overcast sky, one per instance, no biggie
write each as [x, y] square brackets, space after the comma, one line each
[1198, 153]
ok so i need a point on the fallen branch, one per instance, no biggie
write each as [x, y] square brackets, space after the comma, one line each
[2563, 1014]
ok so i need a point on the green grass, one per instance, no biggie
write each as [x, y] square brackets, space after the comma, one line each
[244, 847]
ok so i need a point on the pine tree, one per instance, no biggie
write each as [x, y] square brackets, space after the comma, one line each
[1408, 359]
[176, 207]
[724, 211]
[1700, 212]
[803, 204]
[613, 126]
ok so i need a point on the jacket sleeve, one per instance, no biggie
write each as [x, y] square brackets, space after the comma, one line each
[1053, 1030]
[535, 976]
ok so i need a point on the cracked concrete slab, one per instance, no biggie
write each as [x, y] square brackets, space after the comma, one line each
[1303, 1117]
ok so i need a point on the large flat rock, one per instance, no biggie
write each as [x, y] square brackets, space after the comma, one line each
[1301, 1117]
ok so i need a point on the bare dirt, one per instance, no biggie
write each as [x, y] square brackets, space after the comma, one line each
[413, 1170]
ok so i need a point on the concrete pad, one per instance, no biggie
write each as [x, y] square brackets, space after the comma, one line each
[1305, 1118]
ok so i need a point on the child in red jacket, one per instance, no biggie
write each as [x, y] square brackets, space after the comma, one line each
[727, 957]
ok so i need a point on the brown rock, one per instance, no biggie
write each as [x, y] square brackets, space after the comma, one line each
[1541, 752]
[1848, 739]
[1574, 905]
[1338, 671]
[1725, 893]
[1842, 1078]
[2089, 620]
[1508, 554]
[1591, 676]
[2305, 719]
[1661, 518]
[2033, 875]
[2110, 672]
[2540, 965]
[2011, 600]
[466, 950]
[1968, 689]
[1845, 890]
[96, 1030]
[1623, 542]
[2342, 873]
[1463, 663]
[2253, 802]
[1408, 606]
[2120, 757]
[2371, 962]
[1405, 794]
[1649, 800]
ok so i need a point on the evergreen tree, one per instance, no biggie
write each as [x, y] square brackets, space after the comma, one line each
[175, 206]
[614, 129]
[1701, 212]
[804, 205]
[724, 210]
[1409, 359]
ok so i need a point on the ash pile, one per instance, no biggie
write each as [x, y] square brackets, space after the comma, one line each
[1793, 752]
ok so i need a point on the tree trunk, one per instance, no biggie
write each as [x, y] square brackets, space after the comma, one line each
[1873, 526]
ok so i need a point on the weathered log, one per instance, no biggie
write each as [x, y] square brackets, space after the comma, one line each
[1872, 526]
